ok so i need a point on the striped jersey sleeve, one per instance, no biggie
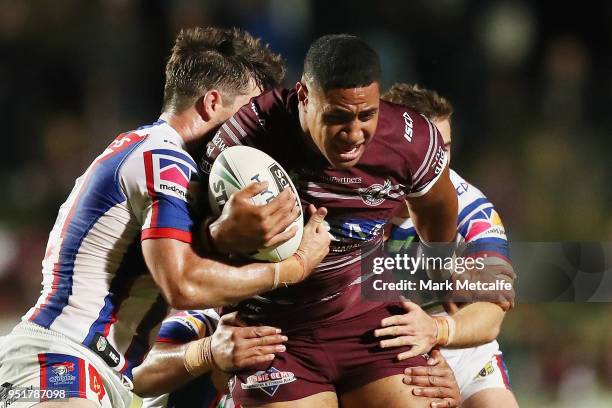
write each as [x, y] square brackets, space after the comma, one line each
[158, 180]
[423, 153]
[478, 224]
[185, 326]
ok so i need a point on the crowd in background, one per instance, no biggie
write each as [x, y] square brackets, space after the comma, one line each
[532, 90]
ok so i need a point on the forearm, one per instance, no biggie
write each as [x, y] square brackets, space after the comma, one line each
[163, 371]
[476, 324]
[208, 283]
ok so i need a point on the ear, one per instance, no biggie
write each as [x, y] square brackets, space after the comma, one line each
[208, 105]
[302, 92]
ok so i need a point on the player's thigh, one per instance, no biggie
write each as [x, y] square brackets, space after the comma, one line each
[71, 403]
[491, 397]
[321, 400]
[389, 392]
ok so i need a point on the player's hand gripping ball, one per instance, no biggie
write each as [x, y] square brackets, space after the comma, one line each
[239, 166]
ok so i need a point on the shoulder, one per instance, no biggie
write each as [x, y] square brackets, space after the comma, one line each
[273, 106]
[400, 122]
[478, 218]
[466, 192]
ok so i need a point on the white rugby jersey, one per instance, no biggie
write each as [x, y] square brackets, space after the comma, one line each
[96, 287]
[478, 224]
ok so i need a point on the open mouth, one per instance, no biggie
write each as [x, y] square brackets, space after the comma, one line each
[349, 153]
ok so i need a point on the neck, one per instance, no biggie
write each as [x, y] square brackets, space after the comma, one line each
[190, 127]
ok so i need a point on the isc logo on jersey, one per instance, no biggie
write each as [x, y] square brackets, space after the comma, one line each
[238, 166]
[171, 175]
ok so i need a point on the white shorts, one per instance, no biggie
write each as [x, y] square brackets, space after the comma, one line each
[478, 368]
[37, 364]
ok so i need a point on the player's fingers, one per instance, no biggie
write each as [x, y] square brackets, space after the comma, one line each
[398, 342]
[311, 210]
[400, 330]
[260, 331]
[265, 340]
[414, 351]
[436, 359]
[428, 371]
[230, 319]
[282, 237]
[394, 320]
[445, 403]
[280, 202]
[254, 360]
[428, 381]
[252, 190]
[263, 350]
[317, 218]
[287, 207]
[433, 392]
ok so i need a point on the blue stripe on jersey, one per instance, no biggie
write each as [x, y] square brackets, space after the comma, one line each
[139, 346]
[185, 326]
[172, 212]
[100, 192]
[132, 266]
[471, 207]
[496, 245]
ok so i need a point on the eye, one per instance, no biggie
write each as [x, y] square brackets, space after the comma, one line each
[336, 118]
[366, 116]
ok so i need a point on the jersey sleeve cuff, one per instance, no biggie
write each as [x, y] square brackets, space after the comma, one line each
[431, 183]
[172, 233]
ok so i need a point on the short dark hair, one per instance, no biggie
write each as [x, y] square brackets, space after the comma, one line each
[340, 61]
[205, 58]
[425, 101]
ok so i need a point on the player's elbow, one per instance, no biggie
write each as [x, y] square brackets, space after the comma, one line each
[186, 296]
[492, 333]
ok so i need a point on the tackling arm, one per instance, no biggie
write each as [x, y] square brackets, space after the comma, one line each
[191, 282]
[232, 346]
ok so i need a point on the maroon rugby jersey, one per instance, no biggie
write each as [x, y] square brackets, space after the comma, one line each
[404, 158]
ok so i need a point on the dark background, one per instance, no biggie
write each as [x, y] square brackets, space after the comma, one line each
[531, 84]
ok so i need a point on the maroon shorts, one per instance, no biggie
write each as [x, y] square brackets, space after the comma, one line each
[338, 358]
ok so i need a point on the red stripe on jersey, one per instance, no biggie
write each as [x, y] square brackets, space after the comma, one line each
[82, 379]
[167, 341]
[42, 361]
[502, 370]
[172, 233]
[148, 161]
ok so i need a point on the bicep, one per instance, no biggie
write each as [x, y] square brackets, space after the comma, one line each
[166, 260]
[435, 213]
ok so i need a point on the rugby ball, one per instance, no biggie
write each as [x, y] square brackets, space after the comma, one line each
[237, 167]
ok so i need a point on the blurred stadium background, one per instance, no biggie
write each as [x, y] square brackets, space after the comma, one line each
[531, 84]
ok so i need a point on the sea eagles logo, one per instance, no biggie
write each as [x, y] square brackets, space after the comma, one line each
[376, 193]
